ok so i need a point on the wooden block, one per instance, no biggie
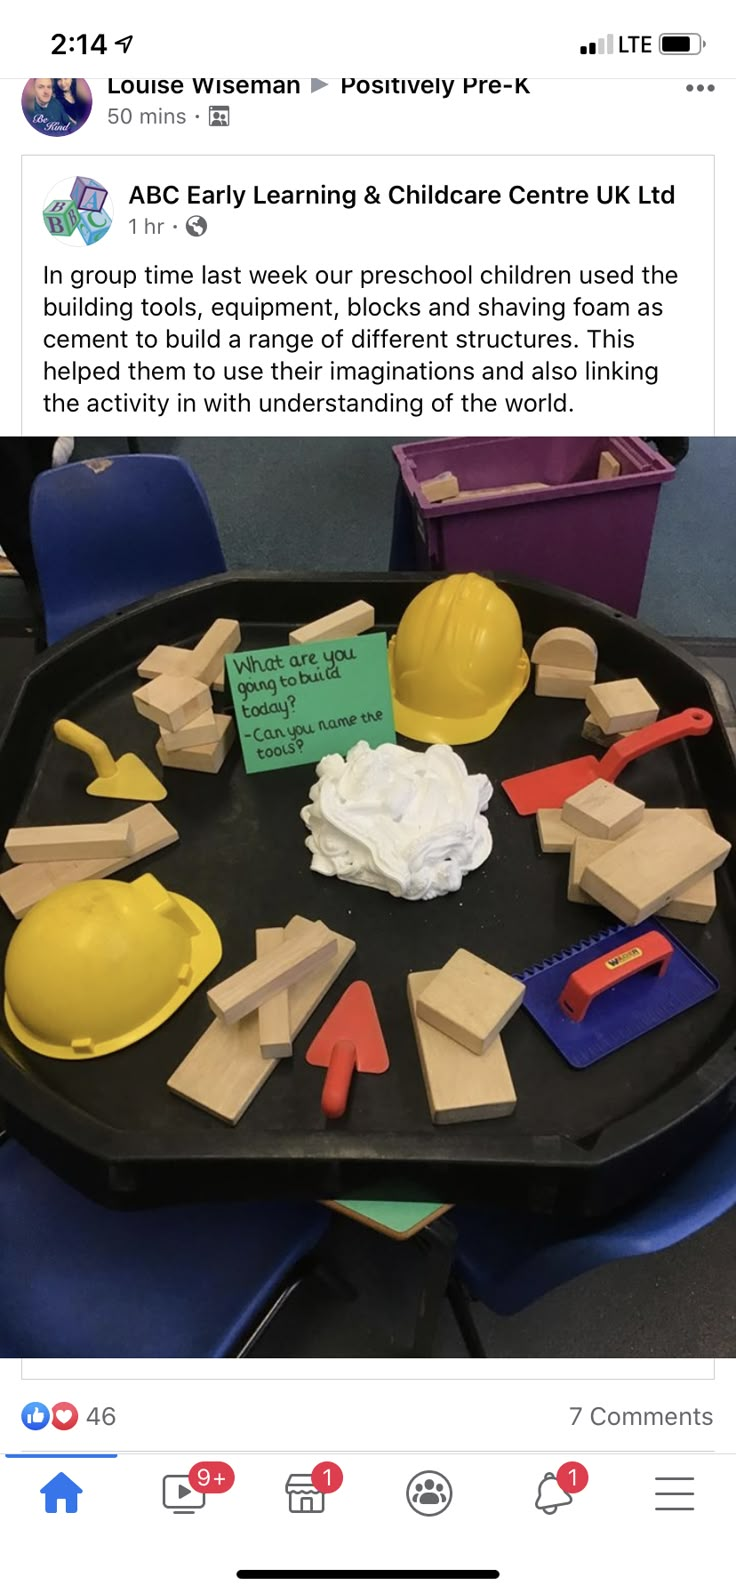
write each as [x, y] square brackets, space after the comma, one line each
[196, 733]
[172, 700]
[470, 1001]
[207, 758]
[274, 1022]
[602, 809]
[656, 862]
[567, 647]
[208, 657]
[554, 834]
[497, 492]
[224, 1071]
[553, 681]
[592, 732]
[441, 487]
[621, 705]
[585, 850]
[50, 843]
[218, 683]
[349, 621]
[247, 989]
[22, 887]
[166, 661]
[305, 996]
[461, 1087]
[696, 905]
[608, 466]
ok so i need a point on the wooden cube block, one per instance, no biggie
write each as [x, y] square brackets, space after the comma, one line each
[602, 809]
[208, 657]
[552, 680]
[461, 1087]
[585, 850]
[172, 700]
[350, 621]
[50, 843]
[621, 705]
[470, 1001]
[206, 758]
[166, 661]
[274, 1023]
[196, 733]
[554, 834]
[441, 487]
[247, 989]
[567, 647]
[656, 862]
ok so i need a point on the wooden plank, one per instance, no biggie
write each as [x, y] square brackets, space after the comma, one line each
[201, 731]
[274, 1022]
[470, 1001]
[602, 809]
[245, 990]
[609, 467]
[166, 661]
[306, 995]
[49, 843]
[551, 680]
[567, 647]
[554, 834]
[621, 705]
[171, 700]
[461, 1087]
[28, 883]
[469, 493]
[207, 758]
[656, 862]
[349, 621]
[222, 637]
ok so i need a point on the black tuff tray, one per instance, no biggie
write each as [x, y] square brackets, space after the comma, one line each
[578, 1143]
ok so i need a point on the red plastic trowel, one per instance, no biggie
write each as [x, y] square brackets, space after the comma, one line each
[351, 1040]
[550, 787]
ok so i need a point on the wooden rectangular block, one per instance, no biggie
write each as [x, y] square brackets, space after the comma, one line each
[696, 905]
[222, 637]
[245, 990]
[584, 851]
[602, 809]
[350, 621]
[655, 862]
[49, 843]
[172, 700]
[306, 994]
[198, 732]
[470, 1001]
[554, 834]
[552, 680]
[566, 647]
[609, 467]
[207, 758]
[439, 488]
[496, 492]
[591, 731]
[22, 887]
[622, 705]
[461, 1087]
[218, 683]
[166, 661]
[274, 1022]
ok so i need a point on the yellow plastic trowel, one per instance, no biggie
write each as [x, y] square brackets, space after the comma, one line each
[125, 777]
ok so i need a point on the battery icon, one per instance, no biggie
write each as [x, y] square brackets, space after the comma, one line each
[680, 43]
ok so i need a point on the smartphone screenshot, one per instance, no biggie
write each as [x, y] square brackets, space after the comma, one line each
[367, 798]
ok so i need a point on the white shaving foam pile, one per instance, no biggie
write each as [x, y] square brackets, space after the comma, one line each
[404, 822]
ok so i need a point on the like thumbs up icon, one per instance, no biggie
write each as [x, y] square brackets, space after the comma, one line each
[35, 1416]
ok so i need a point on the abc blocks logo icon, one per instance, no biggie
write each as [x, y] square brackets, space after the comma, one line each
[82, 213]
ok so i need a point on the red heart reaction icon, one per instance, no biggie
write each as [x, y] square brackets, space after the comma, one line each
[64, 1415]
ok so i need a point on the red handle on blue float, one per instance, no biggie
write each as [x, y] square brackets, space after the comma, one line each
[603, 973]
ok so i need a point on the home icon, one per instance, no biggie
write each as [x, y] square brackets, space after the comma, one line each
[304, 1498]
[61, 1489]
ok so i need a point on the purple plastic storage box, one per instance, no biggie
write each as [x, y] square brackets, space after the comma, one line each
[588, 535]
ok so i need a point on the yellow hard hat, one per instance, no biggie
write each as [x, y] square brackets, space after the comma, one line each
[99, 964]
[457, 661]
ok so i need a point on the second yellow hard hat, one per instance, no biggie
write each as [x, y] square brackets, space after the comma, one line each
[457, 661]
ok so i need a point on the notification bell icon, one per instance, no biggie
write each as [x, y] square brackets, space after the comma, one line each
[550, 1496]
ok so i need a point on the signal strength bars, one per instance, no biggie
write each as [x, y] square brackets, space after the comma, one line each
[603, 47]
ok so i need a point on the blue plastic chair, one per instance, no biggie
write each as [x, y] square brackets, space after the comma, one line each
[105, 538]
[79, 1280]
[508, 1261]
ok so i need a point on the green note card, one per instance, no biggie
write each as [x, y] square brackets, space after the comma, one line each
[295, 704]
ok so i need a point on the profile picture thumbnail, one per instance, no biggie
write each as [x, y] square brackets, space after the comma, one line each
[78, 211]
[56, 106]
